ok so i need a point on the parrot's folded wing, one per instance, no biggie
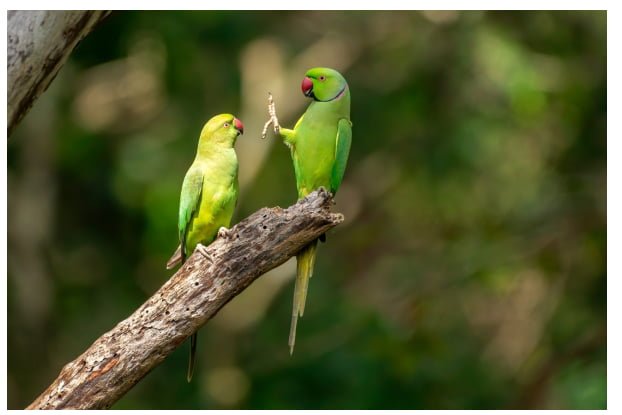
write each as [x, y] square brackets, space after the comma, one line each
[189, 203]
[342, 150]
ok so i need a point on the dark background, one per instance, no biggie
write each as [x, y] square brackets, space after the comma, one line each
[470, 272]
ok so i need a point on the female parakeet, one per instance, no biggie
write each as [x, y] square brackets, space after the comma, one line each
[319, 144]
[209, 194]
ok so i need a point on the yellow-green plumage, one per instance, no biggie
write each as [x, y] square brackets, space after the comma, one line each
[209, 193]
[213, 179]
[319, 144]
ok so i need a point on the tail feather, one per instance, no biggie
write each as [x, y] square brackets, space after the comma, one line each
[178, 258]
[175, 259]
[193, 354]
[304, 270]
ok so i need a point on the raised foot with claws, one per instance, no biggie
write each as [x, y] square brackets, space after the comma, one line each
[274, 121]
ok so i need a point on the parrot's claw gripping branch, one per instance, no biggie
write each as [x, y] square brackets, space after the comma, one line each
[274, 121]
[199, 289]
[224, 233]
[202, 249]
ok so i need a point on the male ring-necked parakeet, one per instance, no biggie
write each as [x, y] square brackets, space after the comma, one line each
[209, 194]
[319, 144]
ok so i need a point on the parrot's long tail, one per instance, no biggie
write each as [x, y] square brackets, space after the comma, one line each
[193, 355]
[178, 258]
[305, 262]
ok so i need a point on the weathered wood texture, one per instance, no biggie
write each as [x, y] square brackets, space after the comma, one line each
[121, 357]
[38, 44]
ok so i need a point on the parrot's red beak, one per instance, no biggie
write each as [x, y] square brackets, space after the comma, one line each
[238, 125]
[307, 86]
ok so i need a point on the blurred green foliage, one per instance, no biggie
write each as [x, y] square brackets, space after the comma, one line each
[470, 272]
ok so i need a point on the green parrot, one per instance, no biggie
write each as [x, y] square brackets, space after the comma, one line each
[319, 145]
[209, 194]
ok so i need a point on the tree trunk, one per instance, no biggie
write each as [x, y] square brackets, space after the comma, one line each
[121, 357]
[38, 44]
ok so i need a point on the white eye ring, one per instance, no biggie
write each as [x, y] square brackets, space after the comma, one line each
[322, 78]
[225, 125]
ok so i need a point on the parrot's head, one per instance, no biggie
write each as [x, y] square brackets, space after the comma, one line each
[324, 84]
[223, 128]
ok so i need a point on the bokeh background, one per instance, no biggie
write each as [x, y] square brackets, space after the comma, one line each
[470, 272]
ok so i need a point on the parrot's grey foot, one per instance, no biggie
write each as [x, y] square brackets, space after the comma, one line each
[224, 233]
[203, 251]
[274, 121]
[331, 194]
[272, 112]
[264, 132]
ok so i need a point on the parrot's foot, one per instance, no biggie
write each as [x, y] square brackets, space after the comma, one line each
[203, 251]
[224, 233]
[274, 121]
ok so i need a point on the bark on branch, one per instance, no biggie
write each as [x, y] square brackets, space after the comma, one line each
[38, 44]
[123, 356]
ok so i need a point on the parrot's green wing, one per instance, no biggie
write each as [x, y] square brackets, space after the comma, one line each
[342, 150]
[189, 204]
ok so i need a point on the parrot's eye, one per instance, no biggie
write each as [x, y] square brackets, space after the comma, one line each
[322, 78]
[225, 125]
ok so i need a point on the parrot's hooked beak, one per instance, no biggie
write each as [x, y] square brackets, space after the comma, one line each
[238, 125]
[307, 87]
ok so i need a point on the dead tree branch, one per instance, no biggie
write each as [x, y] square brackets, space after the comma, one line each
[38, 44]
[123, 356]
